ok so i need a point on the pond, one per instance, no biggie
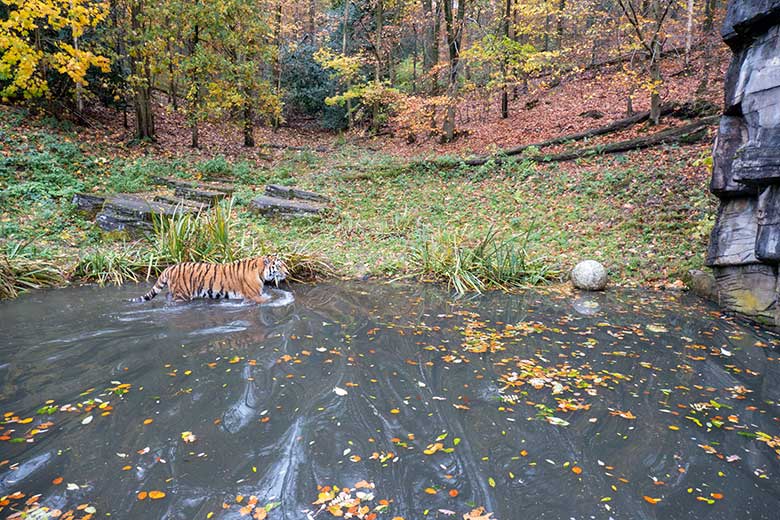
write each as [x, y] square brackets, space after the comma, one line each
[539, 404]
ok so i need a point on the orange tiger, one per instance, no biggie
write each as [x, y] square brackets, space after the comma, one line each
[242, 279]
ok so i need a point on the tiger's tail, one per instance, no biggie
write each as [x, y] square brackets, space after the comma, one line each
[161, 283]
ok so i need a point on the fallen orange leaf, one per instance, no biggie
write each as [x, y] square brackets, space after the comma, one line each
[156, 495]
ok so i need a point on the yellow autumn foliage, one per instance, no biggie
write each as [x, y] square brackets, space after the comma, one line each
[26, 54]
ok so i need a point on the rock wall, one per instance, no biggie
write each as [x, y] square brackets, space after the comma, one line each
[744, 249]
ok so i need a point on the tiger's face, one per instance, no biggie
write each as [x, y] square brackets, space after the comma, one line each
[275, 270]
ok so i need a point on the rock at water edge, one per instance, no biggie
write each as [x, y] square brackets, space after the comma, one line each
[589, 275]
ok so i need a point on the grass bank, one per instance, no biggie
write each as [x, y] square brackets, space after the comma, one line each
[646, 215]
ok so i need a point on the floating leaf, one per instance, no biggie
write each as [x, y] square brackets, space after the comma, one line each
[477, 514]
[556, 421]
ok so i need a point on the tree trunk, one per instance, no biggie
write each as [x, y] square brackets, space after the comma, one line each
[655, 76]
[504, 87]
[455, 28]
[559, 30]
[707, 26]
[547, 32]
[277, 60]
[311, 29]
[430, 47]
[689, 34]
[144, 117]
[378, 69]
[414, 61]
[344, 29]
[195, 107]
[249, 125]
[142, 91]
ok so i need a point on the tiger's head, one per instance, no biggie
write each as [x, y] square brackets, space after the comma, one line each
[274, 269]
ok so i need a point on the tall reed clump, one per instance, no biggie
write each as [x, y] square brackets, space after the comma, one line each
[203, 237]
[112, 266]
[20, 272]
[305, 264]
[493, 261]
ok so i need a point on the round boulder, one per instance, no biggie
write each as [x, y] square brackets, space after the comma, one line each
[589, 275]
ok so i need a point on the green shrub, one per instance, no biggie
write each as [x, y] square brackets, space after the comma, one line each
[111, 266]
[493, 262]
[37, 175]
[216, 167]
[186, 237]
[20, 272]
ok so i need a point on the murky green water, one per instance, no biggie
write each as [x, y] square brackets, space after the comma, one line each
[577, 408]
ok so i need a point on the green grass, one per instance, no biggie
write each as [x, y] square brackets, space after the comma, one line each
[646, 215]
[492, 262]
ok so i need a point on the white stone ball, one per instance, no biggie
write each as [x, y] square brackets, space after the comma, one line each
[589, 275]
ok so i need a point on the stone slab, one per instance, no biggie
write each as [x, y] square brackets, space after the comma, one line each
[703, 285]
[289, 192]
[745, 19]
[174, 182]
[733, 238]
[176, 201]
[768, 217]
[200, 194]
[750, 290]
[132, 213]
[757, 165]
[274, 206]
[732, 134]
[89, 203]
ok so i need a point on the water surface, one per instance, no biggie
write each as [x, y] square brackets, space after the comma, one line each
[543, 404]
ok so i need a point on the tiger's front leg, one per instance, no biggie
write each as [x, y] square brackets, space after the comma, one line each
[260, 298]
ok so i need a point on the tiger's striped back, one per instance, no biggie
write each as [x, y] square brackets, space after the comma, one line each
[242, 279]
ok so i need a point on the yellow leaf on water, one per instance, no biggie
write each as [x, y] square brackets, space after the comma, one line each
[148, 421]
[477, 514]
[430, 491]
[651, 500]
[433, 448]
[156, 495]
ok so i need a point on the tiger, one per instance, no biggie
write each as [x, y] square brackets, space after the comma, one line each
[242, 279]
